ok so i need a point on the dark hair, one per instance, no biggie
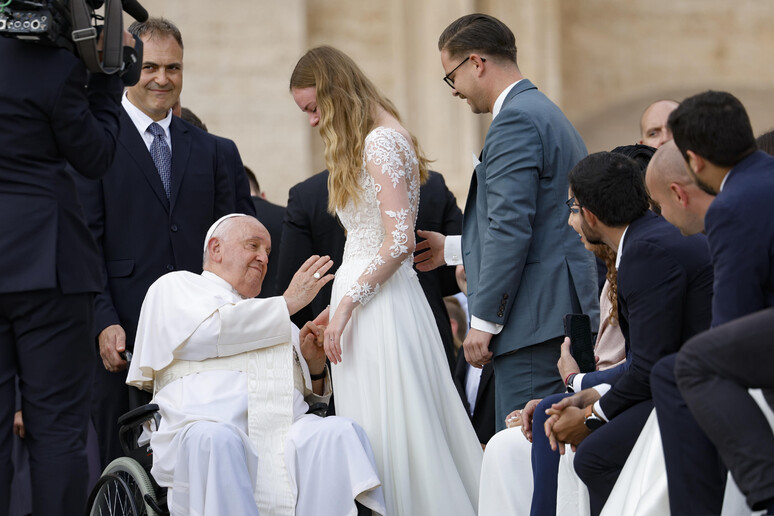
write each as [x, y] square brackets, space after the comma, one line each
[480, 33]
[611, 187]
[190, 117]
[765, 142]
[156, 27]
[714, 125]
[639, 153]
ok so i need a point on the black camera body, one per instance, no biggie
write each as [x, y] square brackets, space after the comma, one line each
[71, 24]
[47, 22]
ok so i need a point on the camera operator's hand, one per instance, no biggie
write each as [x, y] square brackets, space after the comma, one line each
[112, 341]
[128, 40]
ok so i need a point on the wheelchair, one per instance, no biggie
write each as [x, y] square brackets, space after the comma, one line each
[126, 487]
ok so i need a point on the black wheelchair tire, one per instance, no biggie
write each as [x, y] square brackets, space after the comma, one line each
[130, 484]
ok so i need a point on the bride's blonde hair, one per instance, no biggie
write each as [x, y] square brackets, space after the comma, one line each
[346, 103]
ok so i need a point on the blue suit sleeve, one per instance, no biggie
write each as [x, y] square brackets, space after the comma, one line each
[609, 376]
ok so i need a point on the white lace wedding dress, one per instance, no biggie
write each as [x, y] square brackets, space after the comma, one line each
[394, 379]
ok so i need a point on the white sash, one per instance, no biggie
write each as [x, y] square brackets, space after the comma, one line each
[270, 385]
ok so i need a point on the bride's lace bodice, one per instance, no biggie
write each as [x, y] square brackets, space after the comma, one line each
[380, 227]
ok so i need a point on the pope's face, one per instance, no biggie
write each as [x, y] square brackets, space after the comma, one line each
[161, 80]
[244, 256]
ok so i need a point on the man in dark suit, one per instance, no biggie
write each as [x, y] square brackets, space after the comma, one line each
[50, 263]
[695, 475]
[714, 135]
[150, 212]
[271, 216]
[664, 298]
[526, 268]
[309, 229]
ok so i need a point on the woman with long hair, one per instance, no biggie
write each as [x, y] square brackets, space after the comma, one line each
[389, 368]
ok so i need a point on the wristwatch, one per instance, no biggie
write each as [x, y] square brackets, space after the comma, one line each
[592, 421]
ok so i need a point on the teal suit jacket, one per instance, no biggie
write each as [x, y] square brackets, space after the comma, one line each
[526, 267]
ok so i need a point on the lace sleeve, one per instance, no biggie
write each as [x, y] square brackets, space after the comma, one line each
[390, 164]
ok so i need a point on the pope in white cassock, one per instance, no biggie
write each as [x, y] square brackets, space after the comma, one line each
[233, 385]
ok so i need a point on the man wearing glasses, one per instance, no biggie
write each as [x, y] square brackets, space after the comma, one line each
[526, 268]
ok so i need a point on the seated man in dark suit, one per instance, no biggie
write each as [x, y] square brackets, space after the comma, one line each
[714, 135]
[310, 229]
[664, 296]
[695, 475]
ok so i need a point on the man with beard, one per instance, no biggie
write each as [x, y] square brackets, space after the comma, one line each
[714, 135]
[664, 293]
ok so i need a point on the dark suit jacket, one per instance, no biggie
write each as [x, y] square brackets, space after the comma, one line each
[483, 417]
[271, 216]
[740, 232]
[309, 229]
[664, 298]
[50, 118]
[142, 234]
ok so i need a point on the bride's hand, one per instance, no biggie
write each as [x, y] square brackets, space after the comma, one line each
[333, 333]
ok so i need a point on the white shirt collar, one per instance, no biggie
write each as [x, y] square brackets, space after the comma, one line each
[221, 283]
[142, 121]
[722, 184]
[620, 248]
[498, 105]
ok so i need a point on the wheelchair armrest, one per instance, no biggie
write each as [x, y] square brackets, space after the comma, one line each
[138, 415]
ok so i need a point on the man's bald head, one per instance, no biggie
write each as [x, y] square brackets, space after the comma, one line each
[674, 192]
[667, 166]
[653, 123]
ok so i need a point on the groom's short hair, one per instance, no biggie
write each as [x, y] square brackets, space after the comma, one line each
[478, 33]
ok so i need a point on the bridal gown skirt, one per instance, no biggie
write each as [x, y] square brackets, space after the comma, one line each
[394, 380]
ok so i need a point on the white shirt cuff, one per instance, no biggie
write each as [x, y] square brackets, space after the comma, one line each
[599, 412]
[482, 325]
[602, 388]
[577, 381]
[452, 250]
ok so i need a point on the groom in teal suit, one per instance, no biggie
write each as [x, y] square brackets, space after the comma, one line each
[526, 268]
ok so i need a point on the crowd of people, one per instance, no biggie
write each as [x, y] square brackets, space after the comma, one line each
[335, 374]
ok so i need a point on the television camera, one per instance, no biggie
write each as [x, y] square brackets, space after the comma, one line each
[73, 24]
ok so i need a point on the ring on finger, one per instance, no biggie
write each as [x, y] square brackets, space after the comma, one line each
[316, 275]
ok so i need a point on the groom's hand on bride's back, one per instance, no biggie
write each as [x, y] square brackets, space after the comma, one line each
[431, 255]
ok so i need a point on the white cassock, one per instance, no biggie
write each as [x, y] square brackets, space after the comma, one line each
[234, 436]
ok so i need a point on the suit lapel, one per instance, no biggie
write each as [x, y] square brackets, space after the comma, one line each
[137, 151]
[181, 151]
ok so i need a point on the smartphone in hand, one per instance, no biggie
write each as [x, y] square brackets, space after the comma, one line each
[578, 328]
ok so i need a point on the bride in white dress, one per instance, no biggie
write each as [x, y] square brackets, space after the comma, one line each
[389, 371]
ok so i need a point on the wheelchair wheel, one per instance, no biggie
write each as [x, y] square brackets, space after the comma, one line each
[122, 490]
